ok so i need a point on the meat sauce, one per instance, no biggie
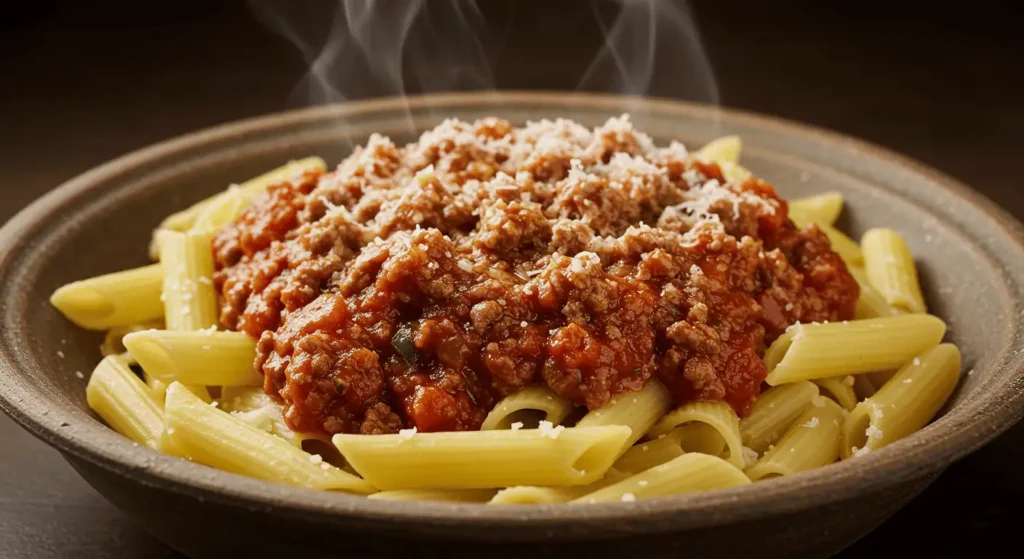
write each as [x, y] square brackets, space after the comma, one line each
[415, 286]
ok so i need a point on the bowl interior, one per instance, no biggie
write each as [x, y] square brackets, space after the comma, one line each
[969, 255]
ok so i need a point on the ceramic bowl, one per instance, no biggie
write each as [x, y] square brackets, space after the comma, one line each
[970, 255]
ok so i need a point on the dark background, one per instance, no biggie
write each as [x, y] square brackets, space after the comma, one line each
[81, 83]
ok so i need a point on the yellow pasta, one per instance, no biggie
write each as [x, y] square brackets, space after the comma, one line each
[905, 404]
[112, 300]
[813, 351]
[773, 412]
[840, 389]
[527, 408]
[726, 148]
[186, 218]
[823, 209]
[190, 302]
[221, 211]
[201, 357]
[691, 437]
[685, 474]
[812, 442]
[484, 459]
[890, 269]
[124, 402]
[638, 410]
[113, 341]
[158, 389]
[444, 495]
[716, 414]
[533, 495]
[213, 437]
[870, 303]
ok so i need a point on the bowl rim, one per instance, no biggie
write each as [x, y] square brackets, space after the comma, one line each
[996, 408]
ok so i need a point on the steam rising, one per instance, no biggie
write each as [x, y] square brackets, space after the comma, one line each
[372, 48]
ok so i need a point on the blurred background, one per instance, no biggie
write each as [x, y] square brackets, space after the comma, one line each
[84, 82]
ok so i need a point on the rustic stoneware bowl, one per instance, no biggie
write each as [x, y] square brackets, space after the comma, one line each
[971, 257]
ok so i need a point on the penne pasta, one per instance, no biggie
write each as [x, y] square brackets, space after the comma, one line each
[718, 415]
[444, 495]
[839, 389]
[685, 474]
[533, 495]
[113, 341]
[185, 219]
[190, 302]
[112, 300]
[201, 357]
[221, 211]
[692, 437]
[726, 148]
[125, 402]
[823, 209]
[158, 389]
[905, 404]
[813, 351]
[870, 303]
[484, 459]
[844, 246]
[639, 411]
[213, 437]
[891, 271]
[812, 442]
[863, 387]
[528, 407]
[773, 412]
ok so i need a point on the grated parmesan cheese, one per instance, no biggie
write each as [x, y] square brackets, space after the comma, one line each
[628, 497]
[549, 430]
[812, 423]
[406, 434]
[517, 425]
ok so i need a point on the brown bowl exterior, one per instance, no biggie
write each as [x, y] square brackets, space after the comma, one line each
[971, 259]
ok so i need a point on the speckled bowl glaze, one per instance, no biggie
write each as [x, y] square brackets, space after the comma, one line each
[971, 258]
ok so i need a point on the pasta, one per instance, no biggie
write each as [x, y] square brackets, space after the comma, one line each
[813, 351]
[526, 406]
[112, 300]
[213, 437]
[196, 357]
[596, 367]
[774, 412]
[685, 474]
[545, 456]
[811, 442]
[717, 415]
[904, 404]
[891, 270]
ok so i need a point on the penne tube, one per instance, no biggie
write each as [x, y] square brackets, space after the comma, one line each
[125, 402]
[773, 412]
[203, 357]
[726, 148]
[113, 340]
[718, 415]
[533, 495]
[221, 211]
[823, 209]
[844, 246]
[812, 442]
[549, 456]
[905, 404]
[213, 437]
[813, 351]
[528, 407]
[692, 437]
[863, 387]
[190, 302]
[870, 303]
[839, 389]
[733, 172]
[891, 271]
[637, 410]
[185, 219]
[158, 389]
[112, 300]
[444, 495]
[685, 474]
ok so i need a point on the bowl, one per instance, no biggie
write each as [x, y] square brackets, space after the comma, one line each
[970, 254]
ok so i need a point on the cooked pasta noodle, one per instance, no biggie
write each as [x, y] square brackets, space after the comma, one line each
[196, 357]
[773, 412]
[840, 389]
[526, 407]
[718, 415]
[823, 209]
[685, 474]
[638, 411]
[890, 269]
[112, 300]
[125, 402]
[811, 442]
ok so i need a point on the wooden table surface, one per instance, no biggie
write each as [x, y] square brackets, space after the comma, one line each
[83, 84]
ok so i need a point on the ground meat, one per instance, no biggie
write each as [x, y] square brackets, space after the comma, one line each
[415, 286]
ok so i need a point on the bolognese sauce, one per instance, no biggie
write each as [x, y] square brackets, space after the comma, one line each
[415, 286]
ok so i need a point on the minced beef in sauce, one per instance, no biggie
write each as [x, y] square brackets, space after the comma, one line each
[415, 286]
